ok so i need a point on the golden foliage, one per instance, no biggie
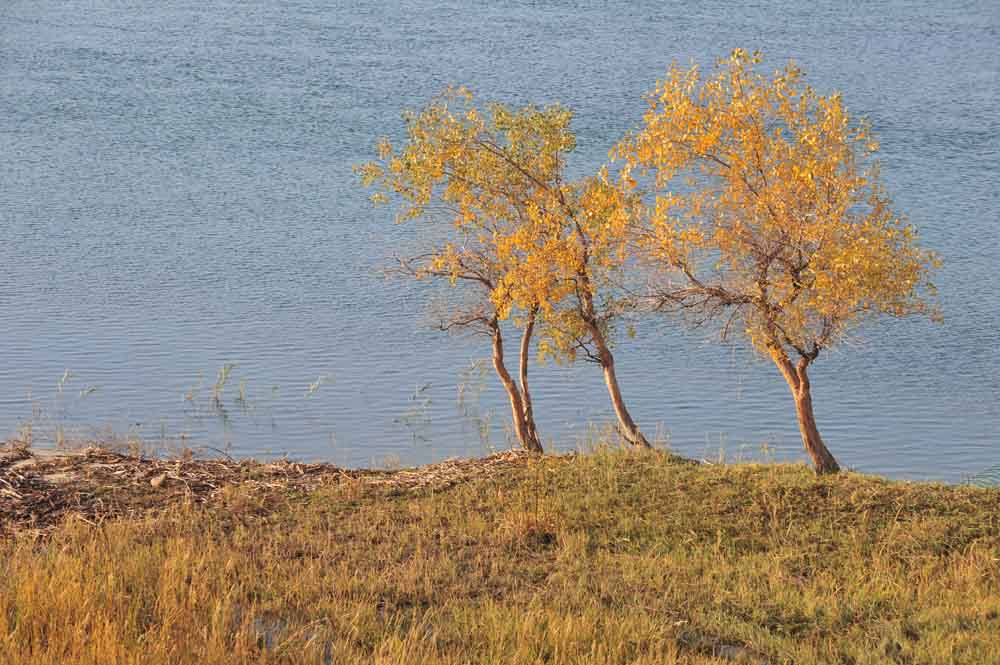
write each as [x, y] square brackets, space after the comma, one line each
[482, 177]
[767, 200]
[492, 182]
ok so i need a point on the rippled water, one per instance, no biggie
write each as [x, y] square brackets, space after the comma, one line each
[176, 194]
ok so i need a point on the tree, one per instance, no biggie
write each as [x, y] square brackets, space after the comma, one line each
[533, 242]
[765, 204]
[460, 171]
[577, 249]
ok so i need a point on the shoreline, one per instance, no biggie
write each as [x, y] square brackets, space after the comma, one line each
[41, 487]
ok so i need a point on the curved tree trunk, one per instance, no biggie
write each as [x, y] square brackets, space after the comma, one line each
[798, 382]
[585, 297]
[525, 436]
[627, 426]
[822, 458]
[529, 415]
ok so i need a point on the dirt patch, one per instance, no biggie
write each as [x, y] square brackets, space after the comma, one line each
[38, 489]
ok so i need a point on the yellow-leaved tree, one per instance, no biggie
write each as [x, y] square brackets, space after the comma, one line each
[576, 258]
[764, 207]
[474, 177]
[503, 219]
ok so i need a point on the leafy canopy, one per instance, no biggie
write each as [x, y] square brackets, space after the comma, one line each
[479, 177]
[494, 180]
[766, 202]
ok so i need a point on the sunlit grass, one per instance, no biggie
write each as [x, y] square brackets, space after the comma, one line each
[603, 558]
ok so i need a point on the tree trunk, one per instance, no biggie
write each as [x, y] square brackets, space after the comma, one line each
[585, 297]
[798, 382]
[821, 456]
[524, 436]
[626, 425]
[529, 415]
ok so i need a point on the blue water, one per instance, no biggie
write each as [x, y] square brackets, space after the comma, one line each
[176, 194]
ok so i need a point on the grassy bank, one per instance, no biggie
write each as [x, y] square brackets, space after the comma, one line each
[604, 558]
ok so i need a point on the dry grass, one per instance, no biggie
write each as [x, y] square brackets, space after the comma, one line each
[603, 558]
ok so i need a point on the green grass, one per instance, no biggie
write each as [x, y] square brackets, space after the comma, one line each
[604, 558]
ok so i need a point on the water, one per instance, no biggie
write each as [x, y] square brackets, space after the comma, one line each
[176, 194]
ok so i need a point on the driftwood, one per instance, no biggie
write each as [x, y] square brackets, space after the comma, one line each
[39, 489]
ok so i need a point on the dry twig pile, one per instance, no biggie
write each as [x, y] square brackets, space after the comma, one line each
[39, 489]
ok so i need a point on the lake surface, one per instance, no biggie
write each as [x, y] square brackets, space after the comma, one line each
[176, 194]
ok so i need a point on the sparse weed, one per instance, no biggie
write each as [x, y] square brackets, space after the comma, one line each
[416, 419]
